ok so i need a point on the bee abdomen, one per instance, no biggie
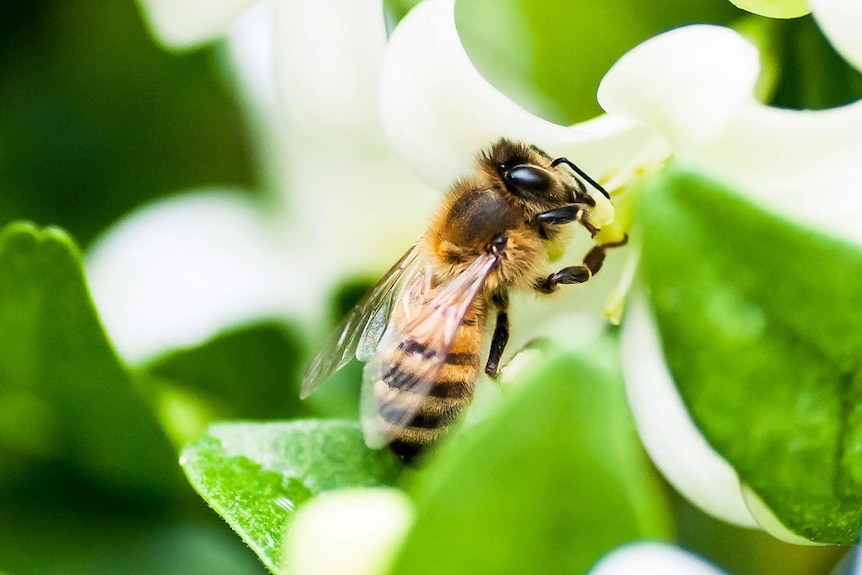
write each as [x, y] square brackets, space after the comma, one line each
[433, 411]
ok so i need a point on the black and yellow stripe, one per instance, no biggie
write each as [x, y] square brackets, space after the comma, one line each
[442, 402]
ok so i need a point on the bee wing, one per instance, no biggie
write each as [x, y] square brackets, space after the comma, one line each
[360, 331]
[409, 358]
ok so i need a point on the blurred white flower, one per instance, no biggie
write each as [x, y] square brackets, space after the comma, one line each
[348, 532]
[340, 203]
[182, 24]
[649, 558]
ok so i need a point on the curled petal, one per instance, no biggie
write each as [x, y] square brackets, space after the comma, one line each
[841, 20]
[667, 430]
[350, 532]
[181, 24]
[178, 271]
[695, 86]
[650, 558]
[687, 83]
[438, 111]
[769, 522]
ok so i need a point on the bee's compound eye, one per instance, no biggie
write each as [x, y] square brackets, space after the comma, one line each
[528, 178]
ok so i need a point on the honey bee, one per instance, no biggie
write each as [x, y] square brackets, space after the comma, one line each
[421, 327]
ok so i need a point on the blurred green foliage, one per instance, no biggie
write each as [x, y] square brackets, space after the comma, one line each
[95, 119]
[88, 477]
[250, 372]
[79, 400]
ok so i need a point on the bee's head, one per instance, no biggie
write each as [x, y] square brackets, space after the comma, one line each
[533, 177]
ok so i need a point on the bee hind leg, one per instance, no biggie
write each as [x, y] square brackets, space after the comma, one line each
[589, 267]
[501, 334]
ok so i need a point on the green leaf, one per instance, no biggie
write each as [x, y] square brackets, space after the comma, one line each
[61, 384]
[775, 8]
[761, 325]
[255, 475]
[551, 481]
[250, 372]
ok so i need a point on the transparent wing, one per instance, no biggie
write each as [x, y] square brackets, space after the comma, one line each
[361, 330]
[410, 356]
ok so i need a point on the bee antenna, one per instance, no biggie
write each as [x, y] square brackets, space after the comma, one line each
[581, 173]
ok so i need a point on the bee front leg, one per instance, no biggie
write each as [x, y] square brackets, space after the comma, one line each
[589, 267]
[576, 212]
[501, 334]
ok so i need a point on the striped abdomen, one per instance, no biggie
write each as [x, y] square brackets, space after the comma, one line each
[441, 399]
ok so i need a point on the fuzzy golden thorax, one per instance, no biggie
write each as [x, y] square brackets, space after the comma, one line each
[484, 206]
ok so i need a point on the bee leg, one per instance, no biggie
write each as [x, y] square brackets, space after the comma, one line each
[576, 212]
[589, 267]
[501, 334]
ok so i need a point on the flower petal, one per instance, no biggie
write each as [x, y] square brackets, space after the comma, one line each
[439, 112]
[349, 532]
[336, 89]
[340, 178]
[649, 558]
[687, 83]
[841, 20]
[178, 271]
[667, 430]
[181, 24]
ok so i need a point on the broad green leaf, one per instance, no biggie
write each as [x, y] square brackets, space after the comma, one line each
[250, 372]
[61, 384]
[255, 474]
[549, 483]
[761, 325]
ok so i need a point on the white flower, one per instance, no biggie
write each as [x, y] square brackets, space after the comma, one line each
[348, 532]
[340, 203]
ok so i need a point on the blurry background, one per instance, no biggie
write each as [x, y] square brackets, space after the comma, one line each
[97, 120]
